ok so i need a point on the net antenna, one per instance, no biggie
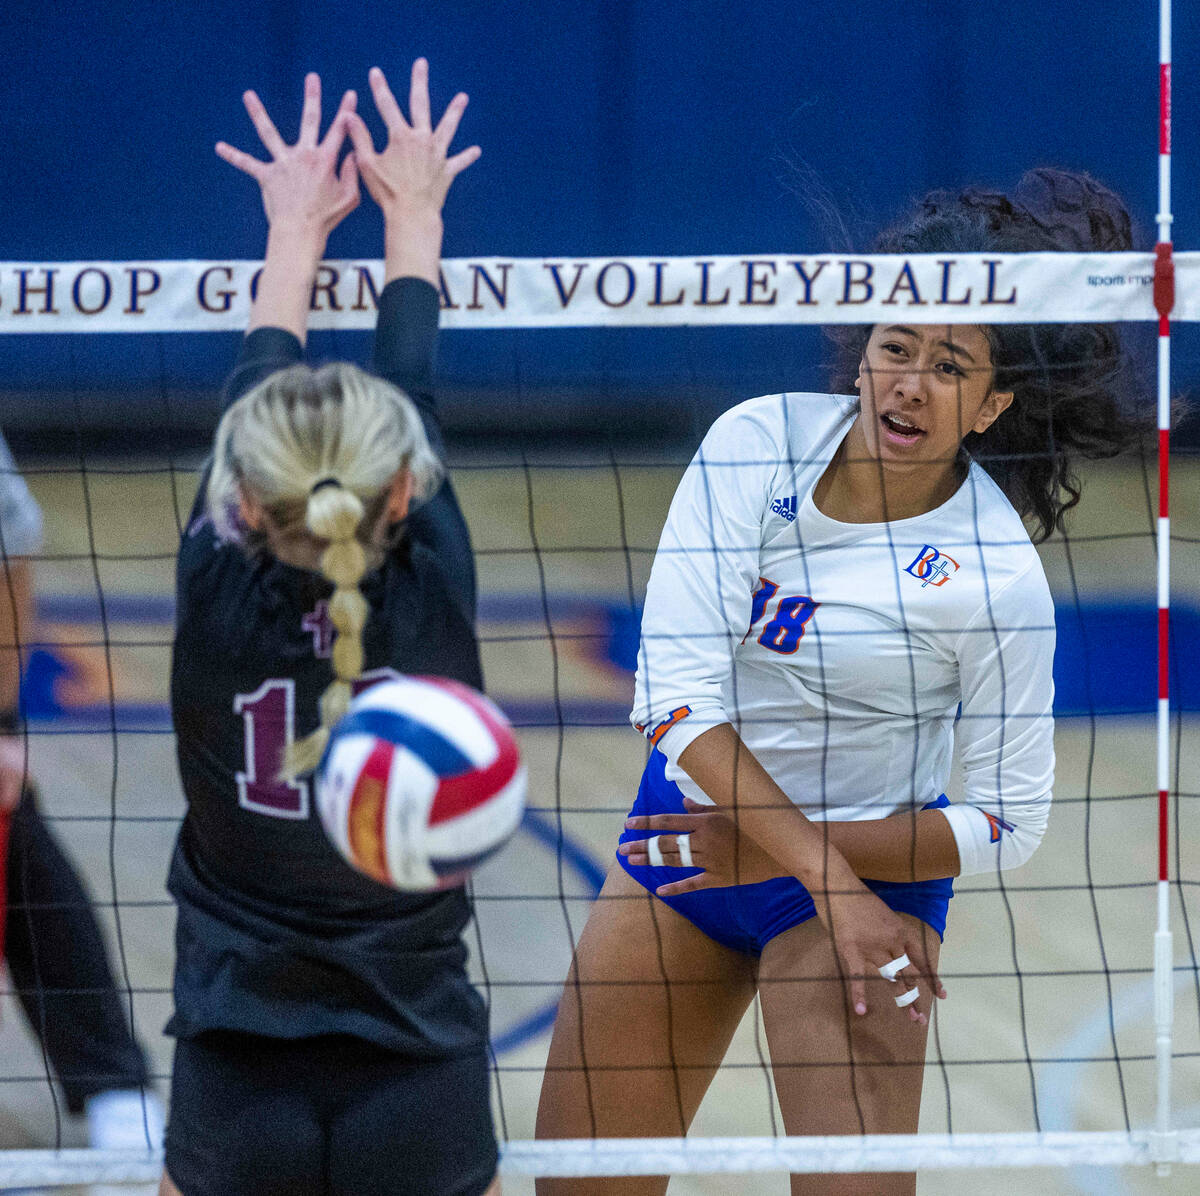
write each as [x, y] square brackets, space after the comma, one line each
[1164, 1142]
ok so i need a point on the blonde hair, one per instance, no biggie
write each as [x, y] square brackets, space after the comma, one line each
[319, 450]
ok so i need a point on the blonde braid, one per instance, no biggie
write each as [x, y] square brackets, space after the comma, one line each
[334, 513]
[320, 450]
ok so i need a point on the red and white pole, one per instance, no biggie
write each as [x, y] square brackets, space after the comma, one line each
[1164, 1145]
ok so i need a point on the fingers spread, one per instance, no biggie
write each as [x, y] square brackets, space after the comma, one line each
[360, 137]
[385, 102]
[448, 125]
[339, 126]
[263, 125]
[418, 95]
[310, 114]
[242, 161]
[460, 162]
[348, 178]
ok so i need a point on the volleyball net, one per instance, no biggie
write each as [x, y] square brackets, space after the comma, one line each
[1059, 1046]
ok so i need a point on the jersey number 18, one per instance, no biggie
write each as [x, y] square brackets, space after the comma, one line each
[785, 630]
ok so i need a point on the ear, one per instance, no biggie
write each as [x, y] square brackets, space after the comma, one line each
[399, 496]
[250, 510]
[997, 402]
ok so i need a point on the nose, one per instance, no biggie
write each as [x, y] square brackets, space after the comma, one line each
[911, 384]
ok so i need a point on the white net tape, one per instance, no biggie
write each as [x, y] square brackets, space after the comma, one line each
[700, 1156]
[69, 1168]
[215, 296]
[880, 1152]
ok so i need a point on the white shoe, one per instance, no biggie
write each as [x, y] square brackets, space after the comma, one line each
[124, 1119]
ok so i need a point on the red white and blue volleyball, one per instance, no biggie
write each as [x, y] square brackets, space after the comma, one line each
[420, 782]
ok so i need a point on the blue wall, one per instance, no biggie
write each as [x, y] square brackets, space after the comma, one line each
[670, 127]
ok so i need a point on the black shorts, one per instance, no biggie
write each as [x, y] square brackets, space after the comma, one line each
[331, 1116]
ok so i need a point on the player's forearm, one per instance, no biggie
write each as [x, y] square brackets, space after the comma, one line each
[412, 244]
[904, 847]
[721, 764]
[285, 286]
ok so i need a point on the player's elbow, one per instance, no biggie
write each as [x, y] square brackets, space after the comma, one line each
[991, 841]
[1017, 848]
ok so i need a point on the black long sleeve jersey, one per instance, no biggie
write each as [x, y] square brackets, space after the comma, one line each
[276, 935]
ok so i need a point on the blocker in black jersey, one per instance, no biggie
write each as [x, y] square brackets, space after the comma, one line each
[276, 934]
[329, 1041]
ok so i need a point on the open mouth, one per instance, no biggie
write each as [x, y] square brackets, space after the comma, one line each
[900, 429]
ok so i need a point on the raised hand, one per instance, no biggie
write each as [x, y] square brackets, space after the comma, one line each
[302, 188]
[413, 172]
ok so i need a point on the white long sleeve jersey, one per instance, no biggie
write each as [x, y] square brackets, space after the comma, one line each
[849, 656]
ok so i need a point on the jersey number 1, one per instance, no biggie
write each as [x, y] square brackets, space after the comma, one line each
[269, 723]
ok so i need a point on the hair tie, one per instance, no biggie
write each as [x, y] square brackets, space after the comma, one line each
[322, 483]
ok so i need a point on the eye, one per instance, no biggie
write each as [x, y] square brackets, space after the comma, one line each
[893, 347]
[951, 369]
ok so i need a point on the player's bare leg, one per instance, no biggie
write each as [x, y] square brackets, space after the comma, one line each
[813, 1037]
[632, 1056]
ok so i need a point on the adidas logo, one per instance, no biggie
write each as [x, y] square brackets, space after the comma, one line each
[785, 507]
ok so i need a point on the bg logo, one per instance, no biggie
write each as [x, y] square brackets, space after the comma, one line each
[932, 567]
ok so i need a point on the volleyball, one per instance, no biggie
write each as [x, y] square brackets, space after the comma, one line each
[420, 782]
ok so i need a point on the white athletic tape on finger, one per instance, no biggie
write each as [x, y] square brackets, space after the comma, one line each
[654, 851]
[908, 998]
[683, 842]
[890, 971]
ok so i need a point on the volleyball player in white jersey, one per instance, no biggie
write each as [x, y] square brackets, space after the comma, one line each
[844, 588]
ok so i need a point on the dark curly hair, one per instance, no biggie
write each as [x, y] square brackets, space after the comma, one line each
[1071, 383]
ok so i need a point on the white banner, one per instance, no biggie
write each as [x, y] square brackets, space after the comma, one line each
[215, 296]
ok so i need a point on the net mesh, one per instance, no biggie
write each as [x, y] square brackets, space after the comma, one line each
[1044, 1054]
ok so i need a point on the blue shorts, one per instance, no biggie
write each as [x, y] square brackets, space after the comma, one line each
[746, 917]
